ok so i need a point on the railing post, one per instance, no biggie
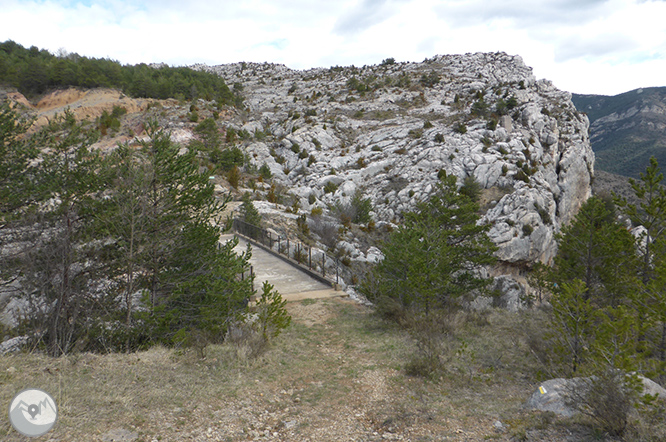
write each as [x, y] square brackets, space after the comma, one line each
[310, 257]
[287, 247]
[337, 265]
[279, 245]
[323, 264]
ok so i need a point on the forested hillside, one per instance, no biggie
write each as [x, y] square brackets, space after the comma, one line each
[33, 71]
[626, 129]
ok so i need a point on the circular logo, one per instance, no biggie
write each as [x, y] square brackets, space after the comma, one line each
[33, 412]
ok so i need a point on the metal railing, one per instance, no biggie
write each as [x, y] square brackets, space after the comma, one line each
[315, 259]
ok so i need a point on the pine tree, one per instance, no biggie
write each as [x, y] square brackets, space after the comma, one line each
[597, 250]
[572, 323]
[249, 213]
[272, 315]
[62, 260]
[16, 152]
[433, 260]
[651, 215]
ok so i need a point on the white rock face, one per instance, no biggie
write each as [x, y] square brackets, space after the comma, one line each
[387, 131]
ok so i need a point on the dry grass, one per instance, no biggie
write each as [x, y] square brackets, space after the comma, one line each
[336, 374]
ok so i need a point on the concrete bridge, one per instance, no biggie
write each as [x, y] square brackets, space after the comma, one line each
[292, 281]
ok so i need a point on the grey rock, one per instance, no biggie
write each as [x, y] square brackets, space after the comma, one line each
[499, 426]
[119, 435]
[506, 123]
[540, 155]
[652, 388]
[552, 395]
[13, 345]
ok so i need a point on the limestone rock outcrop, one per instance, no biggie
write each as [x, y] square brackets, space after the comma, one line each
[387, 130]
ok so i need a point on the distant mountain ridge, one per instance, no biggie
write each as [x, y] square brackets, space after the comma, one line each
[626, 129]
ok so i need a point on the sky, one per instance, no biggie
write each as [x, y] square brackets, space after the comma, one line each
[584, 46]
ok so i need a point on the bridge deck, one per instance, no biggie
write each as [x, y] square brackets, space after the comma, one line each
[292, 283]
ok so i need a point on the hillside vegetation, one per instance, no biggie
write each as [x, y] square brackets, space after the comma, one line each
[465, 180]
[626, 129]
[33, 71]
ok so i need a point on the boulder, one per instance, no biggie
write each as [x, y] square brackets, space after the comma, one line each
[551, 395]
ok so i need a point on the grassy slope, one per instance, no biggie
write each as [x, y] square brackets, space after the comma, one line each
[335, 374]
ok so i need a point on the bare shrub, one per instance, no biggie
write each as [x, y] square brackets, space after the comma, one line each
[607, 399]
[433, 338]
[326, 230]
[245, 340]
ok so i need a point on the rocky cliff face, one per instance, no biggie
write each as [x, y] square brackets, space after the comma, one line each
[388, 130]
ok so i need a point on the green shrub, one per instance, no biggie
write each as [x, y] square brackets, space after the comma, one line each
[330, 187]
[607, 399]
[461, 128]
[231, 135]
[265, 172]
[471, 188]
[271, 310]
[522, 176]
[527, 229]
[228, 158]
[439, 138]
[480, 108]
[429, 80]
[543, 213]
[362, 207]
[249, 213]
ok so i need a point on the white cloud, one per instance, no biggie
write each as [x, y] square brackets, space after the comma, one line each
[587, 46]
